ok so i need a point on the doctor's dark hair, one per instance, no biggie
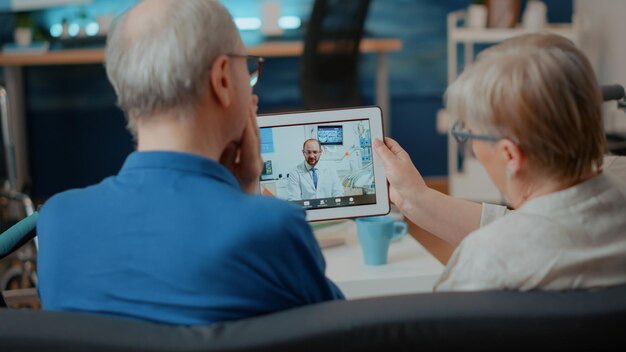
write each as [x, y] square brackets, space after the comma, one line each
[165, 67]
[540, 91]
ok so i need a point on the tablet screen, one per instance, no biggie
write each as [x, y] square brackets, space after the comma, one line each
[320, 165]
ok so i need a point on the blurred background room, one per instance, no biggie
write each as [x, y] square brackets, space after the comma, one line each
[61, 127]
[75, 135]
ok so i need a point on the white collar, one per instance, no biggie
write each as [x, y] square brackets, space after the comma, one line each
[309, 167]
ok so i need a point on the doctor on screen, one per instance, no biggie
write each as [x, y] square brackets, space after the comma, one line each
[308, 180]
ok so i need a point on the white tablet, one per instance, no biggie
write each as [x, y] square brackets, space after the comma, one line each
[323, 160]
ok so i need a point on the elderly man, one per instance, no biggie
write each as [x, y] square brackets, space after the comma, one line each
[179, 235]
[309, 180]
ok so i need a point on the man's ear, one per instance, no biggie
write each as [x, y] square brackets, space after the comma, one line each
[512, 155]
[220, 80]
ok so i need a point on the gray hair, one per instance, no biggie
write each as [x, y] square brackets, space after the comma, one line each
[540, 91]
[165, 68]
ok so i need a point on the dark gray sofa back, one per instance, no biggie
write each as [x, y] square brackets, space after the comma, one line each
[485, 320]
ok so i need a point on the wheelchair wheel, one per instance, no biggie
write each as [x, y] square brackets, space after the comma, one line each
[12, 279]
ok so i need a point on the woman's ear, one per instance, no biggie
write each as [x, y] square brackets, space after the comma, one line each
[220, 80]
[512, 155]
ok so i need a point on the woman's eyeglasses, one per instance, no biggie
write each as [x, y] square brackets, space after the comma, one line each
[255, 64]
[461, 134]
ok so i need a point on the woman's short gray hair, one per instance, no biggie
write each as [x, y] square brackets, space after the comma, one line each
[165, 69]
[540, 91]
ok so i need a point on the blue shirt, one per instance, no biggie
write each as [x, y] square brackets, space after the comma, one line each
[173, 238]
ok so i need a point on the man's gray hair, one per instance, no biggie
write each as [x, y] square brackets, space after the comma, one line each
[165, 68]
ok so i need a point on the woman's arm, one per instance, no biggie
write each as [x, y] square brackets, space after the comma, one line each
[446, 217]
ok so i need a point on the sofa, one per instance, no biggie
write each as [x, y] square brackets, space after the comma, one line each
[491, 320]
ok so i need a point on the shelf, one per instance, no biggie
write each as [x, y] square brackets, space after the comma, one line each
[60, 57]
[266, 49]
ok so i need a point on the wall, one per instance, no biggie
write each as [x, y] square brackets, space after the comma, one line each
[602, 40]
[287, 149]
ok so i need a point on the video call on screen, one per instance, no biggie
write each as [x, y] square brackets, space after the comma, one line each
[343, 172]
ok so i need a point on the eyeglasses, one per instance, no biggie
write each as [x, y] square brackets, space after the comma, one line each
[461, 134]
[255, 63]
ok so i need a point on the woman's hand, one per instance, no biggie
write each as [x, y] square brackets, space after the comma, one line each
[423, 206]
[406, 183]
[244, 160]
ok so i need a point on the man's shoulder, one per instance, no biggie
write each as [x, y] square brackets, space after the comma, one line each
[76, 195]
[300, 168]
[272, 209]
[325, 167]
[70, 204]
[270, 218]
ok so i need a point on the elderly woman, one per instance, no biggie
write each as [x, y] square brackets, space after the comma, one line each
[531, 108]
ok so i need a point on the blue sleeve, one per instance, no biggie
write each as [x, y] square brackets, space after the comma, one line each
[308, 266]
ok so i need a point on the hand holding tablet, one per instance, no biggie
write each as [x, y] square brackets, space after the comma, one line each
[323, 161]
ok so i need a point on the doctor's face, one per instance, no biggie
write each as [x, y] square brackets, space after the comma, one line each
[312, 153]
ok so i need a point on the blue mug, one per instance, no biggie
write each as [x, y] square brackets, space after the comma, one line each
[375, 233]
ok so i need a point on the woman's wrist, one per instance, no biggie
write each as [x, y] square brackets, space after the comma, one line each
[411, 204]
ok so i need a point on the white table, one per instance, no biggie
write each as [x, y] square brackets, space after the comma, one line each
[410, 268]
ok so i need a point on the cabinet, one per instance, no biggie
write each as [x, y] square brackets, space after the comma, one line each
[467, 178]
